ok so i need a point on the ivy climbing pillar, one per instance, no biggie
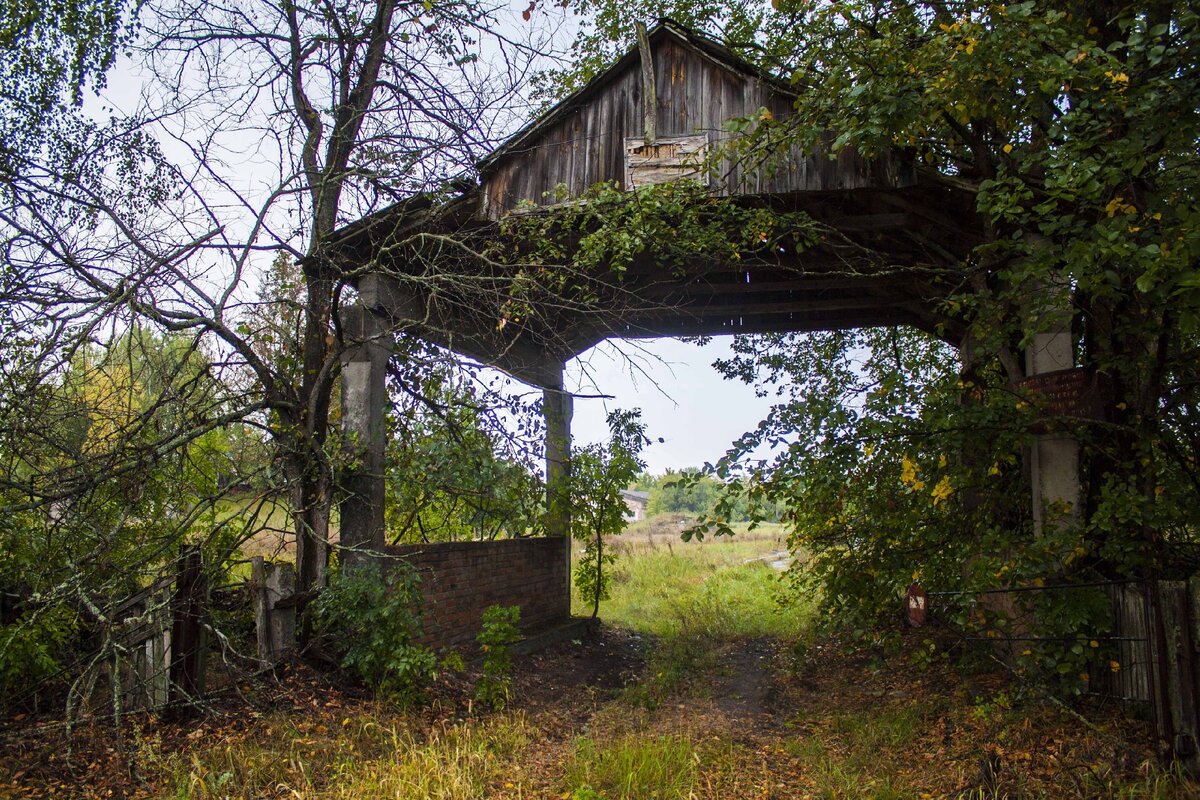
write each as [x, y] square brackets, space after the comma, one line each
[557, 406]
[364, 433]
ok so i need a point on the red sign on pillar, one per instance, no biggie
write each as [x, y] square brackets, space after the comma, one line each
[918, 605]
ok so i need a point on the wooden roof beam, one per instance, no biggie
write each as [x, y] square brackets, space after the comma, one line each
[709, 288]
[731, 326]
[471, 336]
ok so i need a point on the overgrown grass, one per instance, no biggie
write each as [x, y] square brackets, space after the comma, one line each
[712, 589]
[689, 597]
[856, 754]
[375, 757]
[632, 768]
[927, 747]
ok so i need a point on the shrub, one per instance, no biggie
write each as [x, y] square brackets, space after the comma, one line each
[374, 619]
[495, 639]
[32, 650]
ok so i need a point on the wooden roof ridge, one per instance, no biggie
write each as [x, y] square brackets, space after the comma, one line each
[664, 28]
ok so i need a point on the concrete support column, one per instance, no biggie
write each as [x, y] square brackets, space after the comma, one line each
[968, 359]
[364, 433]
[1054, 460]
[557, 406]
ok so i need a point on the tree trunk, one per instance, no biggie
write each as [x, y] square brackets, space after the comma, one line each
[599, 574]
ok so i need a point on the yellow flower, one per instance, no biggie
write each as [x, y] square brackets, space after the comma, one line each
[908, 470]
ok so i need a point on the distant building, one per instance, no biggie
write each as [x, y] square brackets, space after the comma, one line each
[635, 504]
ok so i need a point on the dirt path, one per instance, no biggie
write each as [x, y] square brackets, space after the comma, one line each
[747, 685]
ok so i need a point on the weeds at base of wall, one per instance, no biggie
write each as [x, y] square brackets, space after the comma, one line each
[496, 636]
[372, 621]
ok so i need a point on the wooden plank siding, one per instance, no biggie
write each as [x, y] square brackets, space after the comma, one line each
[582, 142]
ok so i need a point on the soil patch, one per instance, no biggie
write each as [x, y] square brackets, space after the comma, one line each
[748, 684]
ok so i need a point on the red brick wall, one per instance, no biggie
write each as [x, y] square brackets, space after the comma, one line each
[459, 580]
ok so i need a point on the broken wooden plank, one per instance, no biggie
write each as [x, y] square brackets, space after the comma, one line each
[666, 161]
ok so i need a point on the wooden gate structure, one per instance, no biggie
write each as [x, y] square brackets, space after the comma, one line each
[895, 243]
[655, 116]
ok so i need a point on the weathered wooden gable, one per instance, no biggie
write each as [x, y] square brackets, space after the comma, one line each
[597, 135]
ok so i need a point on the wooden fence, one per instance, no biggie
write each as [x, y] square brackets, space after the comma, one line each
[141, 630]
[1156, 626]
[159, 640]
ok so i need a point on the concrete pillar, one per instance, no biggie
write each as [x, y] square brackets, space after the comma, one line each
[968, 359]
[1054, 460]
[557, 406]
[364, 433]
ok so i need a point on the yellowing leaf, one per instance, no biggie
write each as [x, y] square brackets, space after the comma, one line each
[1118, 206]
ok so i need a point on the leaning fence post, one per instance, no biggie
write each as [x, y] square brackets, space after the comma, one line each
[187, 630]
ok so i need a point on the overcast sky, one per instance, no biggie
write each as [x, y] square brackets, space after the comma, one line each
[683, 399]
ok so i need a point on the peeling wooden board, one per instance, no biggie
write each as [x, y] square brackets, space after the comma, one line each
[666, 161]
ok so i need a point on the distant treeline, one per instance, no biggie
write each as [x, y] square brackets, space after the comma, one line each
[689, 491]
